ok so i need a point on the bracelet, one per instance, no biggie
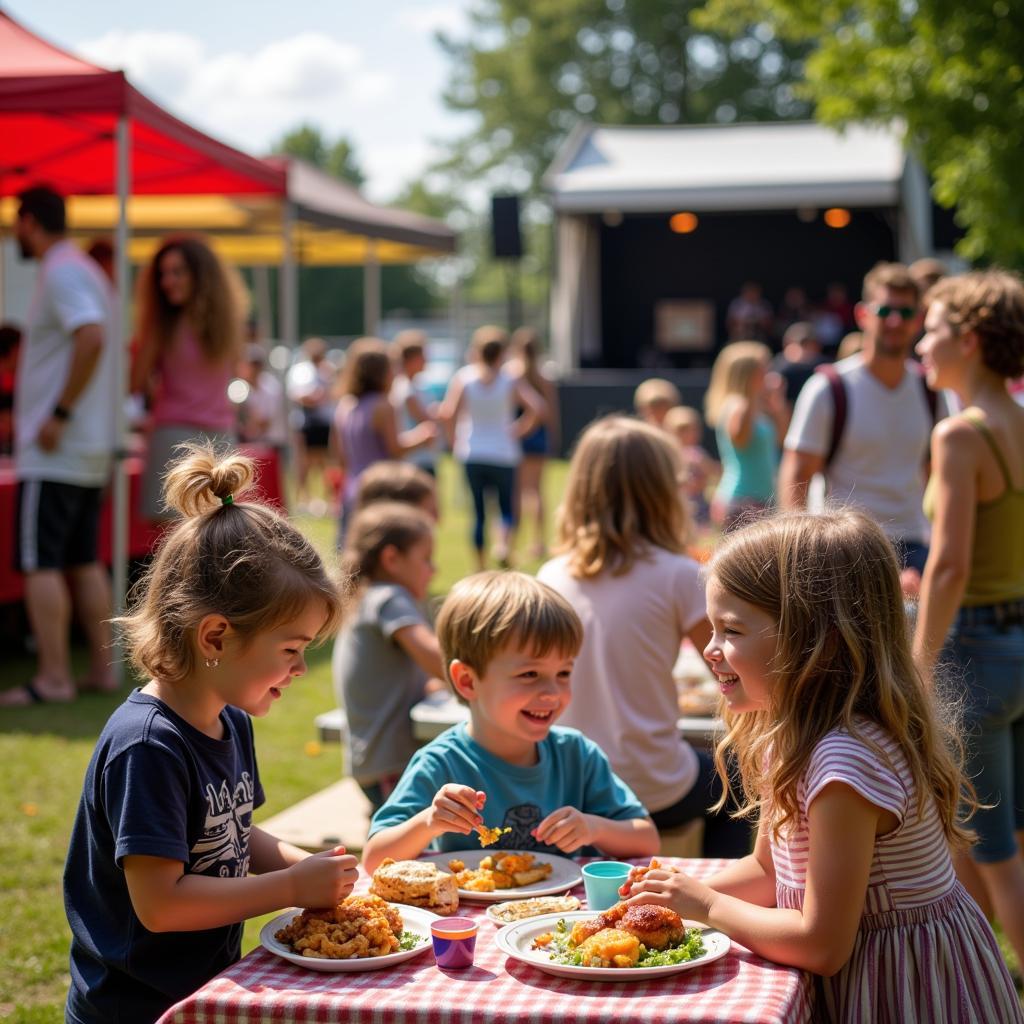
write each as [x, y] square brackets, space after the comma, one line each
[61, 412]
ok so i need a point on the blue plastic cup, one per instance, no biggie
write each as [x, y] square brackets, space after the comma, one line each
[601, 880]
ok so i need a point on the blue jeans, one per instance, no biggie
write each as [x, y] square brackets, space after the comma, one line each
[986, 653]
[501, 480]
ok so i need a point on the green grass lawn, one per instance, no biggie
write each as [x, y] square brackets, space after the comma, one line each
[45, 750]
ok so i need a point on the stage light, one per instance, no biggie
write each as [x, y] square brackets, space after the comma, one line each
[837, 217]
[683, 223]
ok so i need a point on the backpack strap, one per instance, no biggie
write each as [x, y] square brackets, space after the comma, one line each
[838, 390]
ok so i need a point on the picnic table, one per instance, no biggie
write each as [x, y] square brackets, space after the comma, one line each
[740, 987]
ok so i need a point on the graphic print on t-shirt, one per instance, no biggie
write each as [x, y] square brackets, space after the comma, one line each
[224, 845]
[522, 819]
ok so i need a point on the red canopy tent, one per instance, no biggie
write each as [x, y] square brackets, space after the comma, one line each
[87, 131]
[59, 117]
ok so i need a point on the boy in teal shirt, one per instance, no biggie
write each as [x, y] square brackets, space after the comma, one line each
[508, 642]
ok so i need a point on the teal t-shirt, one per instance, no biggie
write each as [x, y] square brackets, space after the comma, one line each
[571, 771]
[748, 472]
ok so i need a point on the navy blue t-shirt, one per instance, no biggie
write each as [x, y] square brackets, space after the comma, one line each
[159, 787]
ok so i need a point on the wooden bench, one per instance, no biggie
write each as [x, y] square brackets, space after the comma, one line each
[337, 815]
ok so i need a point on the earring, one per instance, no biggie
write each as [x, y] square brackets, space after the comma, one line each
[212, 664]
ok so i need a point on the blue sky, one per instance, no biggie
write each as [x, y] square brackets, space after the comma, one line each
[248, 71]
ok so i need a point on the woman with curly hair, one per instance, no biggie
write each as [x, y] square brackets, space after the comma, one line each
[191, 310]
[972, 592]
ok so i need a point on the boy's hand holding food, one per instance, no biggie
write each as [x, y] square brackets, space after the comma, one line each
[567, 828]
[323, 879]
[455, 809]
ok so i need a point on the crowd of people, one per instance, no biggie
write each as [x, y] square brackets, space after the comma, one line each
[869, 790]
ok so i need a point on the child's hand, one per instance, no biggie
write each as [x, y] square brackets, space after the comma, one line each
[323, 879]
[455, 809]
[566, 828]
[677, 890]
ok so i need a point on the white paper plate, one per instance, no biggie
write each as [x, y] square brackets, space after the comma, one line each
[517, 939]
[415, 919]
[565, 874]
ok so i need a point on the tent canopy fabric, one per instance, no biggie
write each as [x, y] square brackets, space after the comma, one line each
[59, 115]
[724, 167]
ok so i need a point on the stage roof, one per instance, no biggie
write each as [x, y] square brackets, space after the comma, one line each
[634, 169]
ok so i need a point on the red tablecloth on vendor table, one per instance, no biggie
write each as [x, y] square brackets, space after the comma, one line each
[142, 534]
[499, 990]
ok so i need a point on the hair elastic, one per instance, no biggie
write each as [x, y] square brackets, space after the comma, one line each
[229, 500]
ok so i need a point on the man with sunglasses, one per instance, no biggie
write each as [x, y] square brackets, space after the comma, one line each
[876, 460]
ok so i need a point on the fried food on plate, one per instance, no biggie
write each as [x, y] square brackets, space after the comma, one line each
[610, 947]
[500, 871]
[359, 926]
[656, 927]
[416, 883]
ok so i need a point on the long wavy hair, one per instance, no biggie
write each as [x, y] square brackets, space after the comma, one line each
[831, 582]
[730, 375]
[216, 309]
[621, 498]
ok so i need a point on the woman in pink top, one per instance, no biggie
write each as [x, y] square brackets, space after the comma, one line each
[191, 311]
[854, 776]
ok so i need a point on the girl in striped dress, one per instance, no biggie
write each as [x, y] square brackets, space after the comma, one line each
[854, 777]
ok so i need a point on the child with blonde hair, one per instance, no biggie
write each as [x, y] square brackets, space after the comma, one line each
[164, 862]
[508, 644]
[653, 398]
[854, 778]
[622, 534]
[387, 653]
[744, 405]
[699, 468]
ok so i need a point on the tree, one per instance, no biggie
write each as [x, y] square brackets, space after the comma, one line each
[532, 68]
[948, 74]
[337, 158]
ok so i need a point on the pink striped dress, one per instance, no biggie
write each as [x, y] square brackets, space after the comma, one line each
[924, 951]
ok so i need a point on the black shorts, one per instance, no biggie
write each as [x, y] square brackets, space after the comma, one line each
[57, 525]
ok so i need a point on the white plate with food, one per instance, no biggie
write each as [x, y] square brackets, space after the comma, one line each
[687, 945]
[531, 873]
[405, 932]
[513, 911]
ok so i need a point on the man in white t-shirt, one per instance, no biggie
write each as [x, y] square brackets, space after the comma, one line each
[64, 402]
[879, 464]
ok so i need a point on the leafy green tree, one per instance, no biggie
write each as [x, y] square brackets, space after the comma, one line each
[337, 158]
[949, 73]
[531, 68]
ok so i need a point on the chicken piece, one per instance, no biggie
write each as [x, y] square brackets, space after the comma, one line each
[656, 927]
[610, 947]
[456, 866]
[510, 863]
[486, 863]
[502, 880]
[582, 930]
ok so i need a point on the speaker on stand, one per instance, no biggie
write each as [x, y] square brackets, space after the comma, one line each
[508, 246]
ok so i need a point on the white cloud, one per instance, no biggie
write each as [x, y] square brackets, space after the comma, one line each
[447, 18]
[248, 98]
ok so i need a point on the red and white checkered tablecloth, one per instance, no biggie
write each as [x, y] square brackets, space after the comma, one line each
[498, 990]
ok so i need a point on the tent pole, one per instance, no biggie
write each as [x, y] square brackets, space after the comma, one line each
[120, 491]
[371, 290]
[289, 287]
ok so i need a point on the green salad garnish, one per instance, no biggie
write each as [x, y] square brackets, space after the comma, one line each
[690, 947]
[410, 940]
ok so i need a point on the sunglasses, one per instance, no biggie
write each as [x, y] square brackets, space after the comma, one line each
[905, 312]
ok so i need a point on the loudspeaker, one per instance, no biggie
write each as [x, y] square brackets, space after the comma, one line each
[508, 243]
